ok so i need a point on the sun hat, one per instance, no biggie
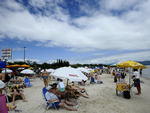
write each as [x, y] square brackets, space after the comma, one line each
[2, 84]
[49, 87]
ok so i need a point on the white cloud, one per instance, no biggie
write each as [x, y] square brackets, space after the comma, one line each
[118, 4]
[100, 31]
[135, 56]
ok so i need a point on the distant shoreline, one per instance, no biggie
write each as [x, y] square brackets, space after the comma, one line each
[146, 77]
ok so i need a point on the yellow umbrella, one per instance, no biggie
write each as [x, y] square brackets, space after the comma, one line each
[15, 65]
[131, 64]
[25, 65]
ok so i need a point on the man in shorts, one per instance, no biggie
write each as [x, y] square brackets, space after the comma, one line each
[137, 81]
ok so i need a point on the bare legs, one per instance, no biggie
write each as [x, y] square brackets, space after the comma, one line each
[64, 105]
[138, 89]
[18, 94]
[45, 82]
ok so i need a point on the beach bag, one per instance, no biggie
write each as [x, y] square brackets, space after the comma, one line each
[115, 79]
[3, 107]
[126, 94]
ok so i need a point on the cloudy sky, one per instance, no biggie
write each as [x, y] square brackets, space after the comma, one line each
[80, 31]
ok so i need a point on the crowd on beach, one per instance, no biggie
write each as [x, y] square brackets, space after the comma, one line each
[58, 94]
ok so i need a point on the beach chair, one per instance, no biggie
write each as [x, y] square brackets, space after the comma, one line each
[44, 90]
[27, 82]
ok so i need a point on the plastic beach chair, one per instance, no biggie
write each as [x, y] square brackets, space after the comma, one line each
[44, 90]
[27, 82]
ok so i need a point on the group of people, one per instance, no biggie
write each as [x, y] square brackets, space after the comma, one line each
[13, 87]
[60, 95]
[95, 78]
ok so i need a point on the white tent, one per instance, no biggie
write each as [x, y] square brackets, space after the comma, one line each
[7, 71]
[27, 71]
[69, 73]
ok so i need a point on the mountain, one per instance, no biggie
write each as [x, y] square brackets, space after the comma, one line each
[145, 62]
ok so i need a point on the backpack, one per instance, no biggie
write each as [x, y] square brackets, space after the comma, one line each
[126, 94]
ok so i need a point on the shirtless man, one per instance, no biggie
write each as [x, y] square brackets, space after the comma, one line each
[44, 75]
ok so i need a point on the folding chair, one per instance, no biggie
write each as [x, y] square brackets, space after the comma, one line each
[44, 90]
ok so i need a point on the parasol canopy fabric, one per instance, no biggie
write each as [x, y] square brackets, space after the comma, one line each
[17, 65]
[49, 70]
[69, 73]
[131, 64]
[86, 70]
[27, 71]
[24, 65]
[7, 71]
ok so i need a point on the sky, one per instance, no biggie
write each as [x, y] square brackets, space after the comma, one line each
[80, 31]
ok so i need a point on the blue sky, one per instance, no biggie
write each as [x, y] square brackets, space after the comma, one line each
[80, 31]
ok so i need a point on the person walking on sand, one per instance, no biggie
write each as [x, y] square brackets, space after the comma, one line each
[44, 75]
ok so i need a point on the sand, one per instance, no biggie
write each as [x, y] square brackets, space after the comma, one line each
[102, 99]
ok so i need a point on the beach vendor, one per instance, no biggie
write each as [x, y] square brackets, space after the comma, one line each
[44, 75]
[136, 79]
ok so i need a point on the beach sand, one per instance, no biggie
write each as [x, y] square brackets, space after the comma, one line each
[102, 99]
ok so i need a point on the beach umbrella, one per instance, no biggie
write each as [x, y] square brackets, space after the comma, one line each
[24, 65]
[50, 70]
[131, 64]
[7, 71]
[27, 71]
[86, 70]
[11, 66]
[69, 73]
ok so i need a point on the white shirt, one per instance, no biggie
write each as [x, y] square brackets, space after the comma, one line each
[136, 74]
[50, 96]
[61, 85]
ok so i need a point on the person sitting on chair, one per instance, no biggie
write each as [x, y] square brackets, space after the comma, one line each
[53, 100]
[17, 92]
[82, 92]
